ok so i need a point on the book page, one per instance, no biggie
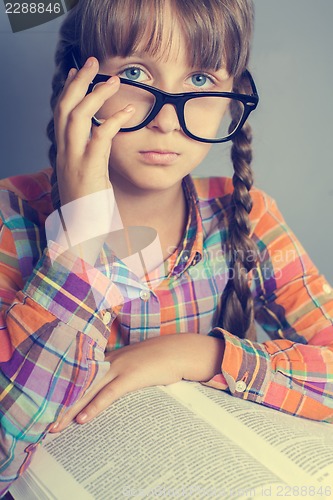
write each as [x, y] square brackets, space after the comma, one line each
[147, 444]
[300, 450]
[47, 479]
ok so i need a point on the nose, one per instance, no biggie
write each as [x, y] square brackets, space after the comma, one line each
[166, 120]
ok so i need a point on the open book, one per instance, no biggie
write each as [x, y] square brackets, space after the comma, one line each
[183, 441]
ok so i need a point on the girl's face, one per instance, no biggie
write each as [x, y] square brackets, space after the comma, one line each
[160, 155]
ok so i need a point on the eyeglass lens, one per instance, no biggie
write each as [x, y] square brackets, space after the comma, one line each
[206, 117]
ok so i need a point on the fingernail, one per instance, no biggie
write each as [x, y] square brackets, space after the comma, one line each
[54, 427]
[71, 73]
[129, 109]
[89, 62]
[82, 417]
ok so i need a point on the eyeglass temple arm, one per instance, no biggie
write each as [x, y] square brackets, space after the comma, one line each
[253, 85]
[76, 64]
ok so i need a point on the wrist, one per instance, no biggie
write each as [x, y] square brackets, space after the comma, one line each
[201, 356]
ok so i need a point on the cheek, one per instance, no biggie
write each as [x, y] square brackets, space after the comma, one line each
[197, 151]
[123, 139]
[208, 117]
[121, 145]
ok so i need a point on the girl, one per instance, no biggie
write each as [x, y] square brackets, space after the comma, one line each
[142, 90]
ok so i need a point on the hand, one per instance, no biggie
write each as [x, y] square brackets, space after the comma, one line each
[157, 361]
[82, 161]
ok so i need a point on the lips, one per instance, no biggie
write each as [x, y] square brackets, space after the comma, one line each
[160, 151]
[159, 157]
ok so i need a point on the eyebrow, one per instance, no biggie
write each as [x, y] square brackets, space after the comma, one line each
[143, 55]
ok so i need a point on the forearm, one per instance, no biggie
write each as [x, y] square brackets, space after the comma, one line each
[47, 373]
[50, 361]
[200, 356]
[293, 303]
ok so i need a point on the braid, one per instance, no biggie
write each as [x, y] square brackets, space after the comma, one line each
[52, 157]
[57, 86]
[237, 304]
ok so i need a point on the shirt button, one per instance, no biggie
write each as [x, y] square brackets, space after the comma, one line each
[145, 295]
[107, 318]
[240, 386]
[326, 288]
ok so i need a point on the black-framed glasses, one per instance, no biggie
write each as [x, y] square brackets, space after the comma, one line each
[211, 117]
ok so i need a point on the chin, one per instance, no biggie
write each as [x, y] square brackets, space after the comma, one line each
[156, 178]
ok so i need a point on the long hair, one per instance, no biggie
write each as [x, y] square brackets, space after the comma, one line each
[217, 33]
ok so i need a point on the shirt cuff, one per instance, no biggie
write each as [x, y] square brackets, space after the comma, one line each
[245, 369]
[75, 292]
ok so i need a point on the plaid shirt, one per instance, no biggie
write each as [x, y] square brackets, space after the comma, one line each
[53, 337]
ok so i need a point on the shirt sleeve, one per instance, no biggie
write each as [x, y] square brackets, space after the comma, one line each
[53, 334]
[292, 372]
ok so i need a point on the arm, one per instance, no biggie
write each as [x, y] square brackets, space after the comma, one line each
[47, 361]
[52, 331]
[293, 372]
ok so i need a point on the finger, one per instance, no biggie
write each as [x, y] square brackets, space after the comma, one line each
[72, 412]
[60, 137]
[119, 386]
[79, 120]
[74, 91]
[70, 76]
[101, 139]
[68, 417]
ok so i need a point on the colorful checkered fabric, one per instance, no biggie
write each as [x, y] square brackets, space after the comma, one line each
[54, 332]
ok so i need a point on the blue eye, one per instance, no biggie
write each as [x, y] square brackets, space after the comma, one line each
[133, 74]
[199, 80]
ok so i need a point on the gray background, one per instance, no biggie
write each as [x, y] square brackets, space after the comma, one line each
[292, 65]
